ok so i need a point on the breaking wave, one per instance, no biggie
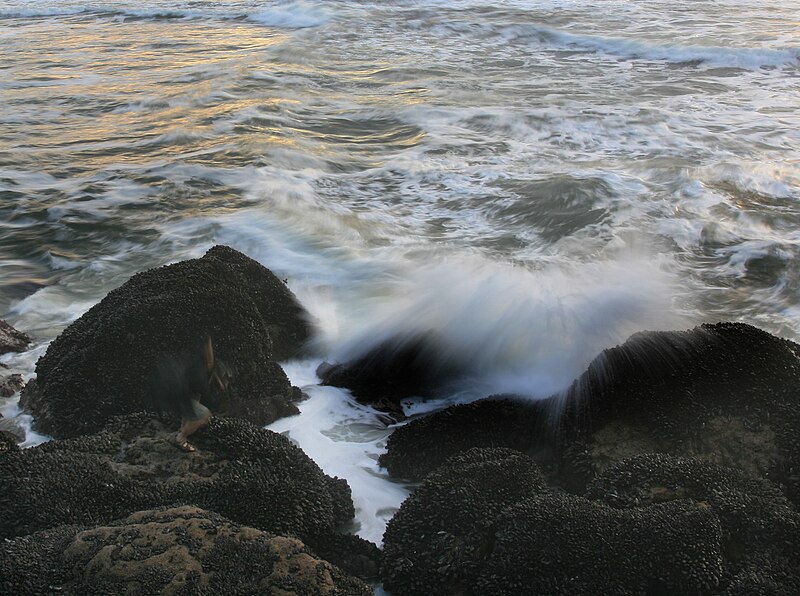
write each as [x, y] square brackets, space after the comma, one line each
[513, 330]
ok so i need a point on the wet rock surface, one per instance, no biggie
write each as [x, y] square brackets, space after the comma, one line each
[433, 543]
[419, 447]
[12, 429]
[179, 550]
[564, 544]
[8, 442]
[727, 393]
[12, 340]
[248, 474]
[99, 366]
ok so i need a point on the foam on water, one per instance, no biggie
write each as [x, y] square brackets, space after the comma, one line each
[22, 363]
[345, 439]
[293, 15]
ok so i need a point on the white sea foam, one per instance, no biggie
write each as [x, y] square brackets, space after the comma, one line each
[345, 439]
[544, 37]
[767, 180]
[22, 363]
[48, 309]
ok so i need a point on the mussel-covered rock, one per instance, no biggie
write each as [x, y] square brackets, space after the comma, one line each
[484, 523]
[434, 543]
[8, 443]
[179, 550]
[727, 393]
[11, 384]
[103, 363]
[248, 474]
[760, 527]
[564, 544]
[11, 429]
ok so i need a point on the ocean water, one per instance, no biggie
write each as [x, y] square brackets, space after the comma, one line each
[534, 181]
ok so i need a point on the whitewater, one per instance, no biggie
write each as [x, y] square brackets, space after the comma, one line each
[534, 182]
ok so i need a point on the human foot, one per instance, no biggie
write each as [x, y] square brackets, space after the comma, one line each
[185, 445]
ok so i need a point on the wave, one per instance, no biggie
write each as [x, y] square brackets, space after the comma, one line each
[296, 14]
[549, 38]
[719, 56]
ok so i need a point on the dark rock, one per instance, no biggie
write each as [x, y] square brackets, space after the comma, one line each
[727, 393]
[763, 580]
[563, 544]
[395, 369]
[760, 528]
[8, 442]
[484, 523]
[435, 540]
[12, 340]
[419, 447]
[180, 550]
[248, 474]
[99, 366]
[10, 385]
[359, 557]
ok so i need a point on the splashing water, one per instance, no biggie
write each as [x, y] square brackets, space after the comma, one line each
[510, 329]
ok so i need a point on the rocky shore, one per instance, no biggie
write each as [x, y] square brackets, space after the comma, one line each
[671, 466]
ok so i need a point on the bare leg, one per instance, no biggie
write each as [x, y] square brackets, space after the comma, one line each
[188, 427]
